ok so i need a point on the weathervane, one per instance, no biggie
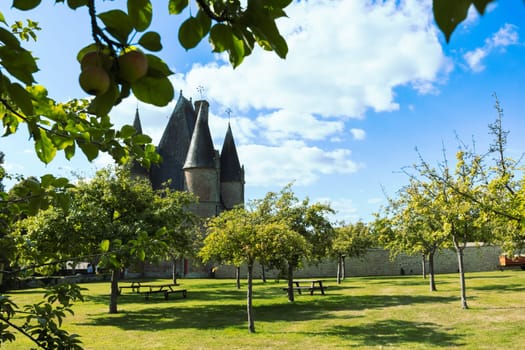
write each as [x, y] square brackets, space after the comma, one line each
[229, 112]
[200, 89]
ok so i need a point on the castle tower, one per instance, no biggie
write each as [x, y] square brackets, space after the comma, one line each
[232, 174]
[202, 165]
[173, 146]
[136, 169]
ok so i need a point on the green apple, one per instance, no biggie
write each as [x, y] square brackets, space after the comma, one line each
[96, 58]
[132, 66]
[94, 80]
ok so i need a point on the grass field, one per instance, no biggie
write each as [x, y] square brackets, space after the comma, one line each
[362, 313]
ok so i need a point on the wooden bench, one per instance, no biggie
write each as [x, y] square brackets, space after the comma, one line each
[135, 287]
[165, 292]
[312, 286]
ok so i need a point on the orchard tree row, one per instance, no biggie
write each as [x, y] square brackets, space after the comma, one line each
[111, 68]
[477, 199]
[114, 221]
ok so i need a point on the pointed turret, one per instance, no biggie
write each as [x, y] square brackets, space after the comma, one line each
[232, 174]
[136, 169]
[201, 153]
[173, 146]
[201, 169]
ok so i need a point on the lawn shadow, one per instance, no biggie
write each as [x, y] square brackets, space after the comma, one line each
[398, 332]
[500, 288]
[166, 315]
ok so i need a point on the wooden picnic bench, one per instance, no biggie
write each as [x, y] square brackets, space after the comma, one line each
[148, 289]
[311, 286]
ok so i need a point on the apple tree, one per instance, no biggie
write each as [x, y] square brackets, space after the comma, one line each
[310, 220]
[350, 240]
[240, 236]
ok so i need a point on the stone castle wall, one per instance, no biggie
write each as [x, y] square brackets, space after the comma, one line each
[376, 262]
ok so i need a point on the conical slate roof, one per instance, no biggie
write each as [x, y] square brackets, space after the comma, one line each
[201, 152]
[137, 169]
[230, 165]
[173, 146]
[136, 122]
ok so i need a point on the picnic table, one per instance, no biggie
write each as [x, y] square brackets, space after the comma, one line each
[310, 285]
[148, 289]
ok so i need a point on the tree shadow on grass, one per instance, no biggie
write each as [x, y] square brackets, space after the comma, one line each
[162, 315]
[500, 288]
[398, 332]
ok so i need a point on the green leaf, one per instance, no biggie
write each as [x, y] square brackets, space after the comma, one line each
[204, 22]
[157, 68]
[156, 91]
[19, 63]
[104, 245]
[481, 5]
[89, 149]
[141, 254]
[176, 6]
[127, 131]
[191, 33]
[102, 104]
[44, 148]
[2, 18]
[74, 4]
[25, 5]
[8, 38]
[151, 41]
[141, 13]
[222, 39]
[118, 24]
[22, 98]
[69, 151]
[448, 14]
[141, 139]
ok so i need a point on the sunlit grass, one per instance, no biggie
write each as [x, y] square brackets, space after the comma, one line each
[363, 312]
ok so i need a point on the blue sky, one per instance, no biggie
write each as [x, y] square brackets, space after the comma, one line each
[363, 85]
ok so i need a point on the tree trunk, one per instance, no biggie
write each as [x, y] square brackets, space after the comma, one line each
[251, 322]
[431, 272]
[343, 267]
[459, 251]
[290, 283]
[238, 276]
[339, 268]
[114, 291]
[424, 266]
[174, 270]
[263, 273]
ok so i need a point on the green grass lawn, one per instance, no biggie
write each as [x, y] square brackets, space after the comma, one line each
[362, 312]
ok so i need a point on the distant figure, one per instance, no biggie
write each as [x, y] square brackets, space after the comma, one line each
[89, 269]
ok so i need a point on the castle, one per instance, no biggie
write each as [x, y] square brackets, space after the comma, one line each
[191, 163]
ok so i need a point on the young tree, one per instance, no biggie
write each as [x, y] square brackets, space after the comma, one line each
[308, 220]
[115, 217]
[351, 240]
[460, 217]
[240, 236]
[414, 224]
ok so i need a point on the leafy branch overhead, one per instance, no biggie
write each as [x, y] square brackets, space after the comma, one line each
[448, 14]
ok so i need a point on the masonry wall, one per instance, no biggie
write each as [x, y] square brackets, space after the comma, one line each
[377, 263]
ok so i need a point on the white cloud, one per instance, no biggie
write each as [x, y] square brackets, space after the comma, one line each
[358, 134]
[284, 124]
[475, 57]
[345, 210]
[504, 37]
[338, 67]
[368, 51]
[292, 161]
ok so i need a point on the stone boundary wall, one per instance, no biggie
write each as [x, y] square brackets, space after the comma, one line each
[376, 262]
